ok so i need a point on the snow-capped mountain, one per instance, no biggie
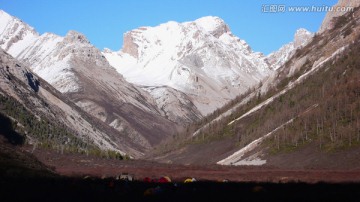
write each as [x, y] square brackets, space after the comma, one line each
[281, 56]
[202, 59]
[14, 34]
[163, 77]
[311, 79]
[76, 68]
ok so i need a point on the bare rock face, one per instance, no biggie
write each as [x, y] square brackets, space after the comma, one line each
[10, 69]
[130, 47]
[79, 47]
[328, 22]
[74, 36]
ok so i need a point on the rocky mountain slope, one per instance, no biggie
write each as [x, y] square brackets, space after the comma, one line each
[45, 116]
[77, 69]
[339, 9]
[202, 59]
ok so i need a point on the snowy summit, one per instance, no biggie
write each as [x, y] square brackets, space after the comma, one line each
[201, 58]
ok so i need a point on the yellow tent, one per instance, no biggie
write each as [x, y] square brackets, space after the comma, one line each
[189, 180]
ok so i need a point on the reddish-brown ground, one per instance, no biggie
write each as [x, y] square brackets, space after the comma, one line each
[82, 165]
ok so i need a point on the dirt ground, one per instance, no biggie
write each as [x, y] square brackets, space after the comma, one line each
[245, 183]
[82, 165]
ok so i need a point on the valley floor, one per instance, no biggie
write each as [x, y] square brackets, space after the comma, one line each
[74, 189]
[76, 165]
[86, 178]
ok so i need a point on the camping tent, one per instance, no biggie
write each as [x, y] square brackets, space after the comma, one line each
[188, 180]
[164, 179]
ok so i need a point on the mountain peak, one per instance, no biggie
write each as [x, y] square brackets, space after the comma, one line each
[15, 34]
[301, 37]
[209, 20]
[74, 36]
[302, 31]
[279, 57]
[107, 50]
[213, 25]
[2, 12]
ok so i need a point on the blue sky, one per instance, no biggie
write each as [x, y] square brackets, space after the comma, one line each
[105, 21]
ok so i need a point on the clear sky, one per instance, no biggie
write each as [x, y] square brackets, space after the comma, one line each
[105, 21]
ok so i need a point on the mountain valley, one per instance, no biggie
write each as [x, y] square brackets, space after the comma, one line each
[182, 95]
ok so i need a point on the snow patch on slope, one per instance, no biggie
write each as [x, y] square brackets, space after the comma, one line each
[236, 157]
